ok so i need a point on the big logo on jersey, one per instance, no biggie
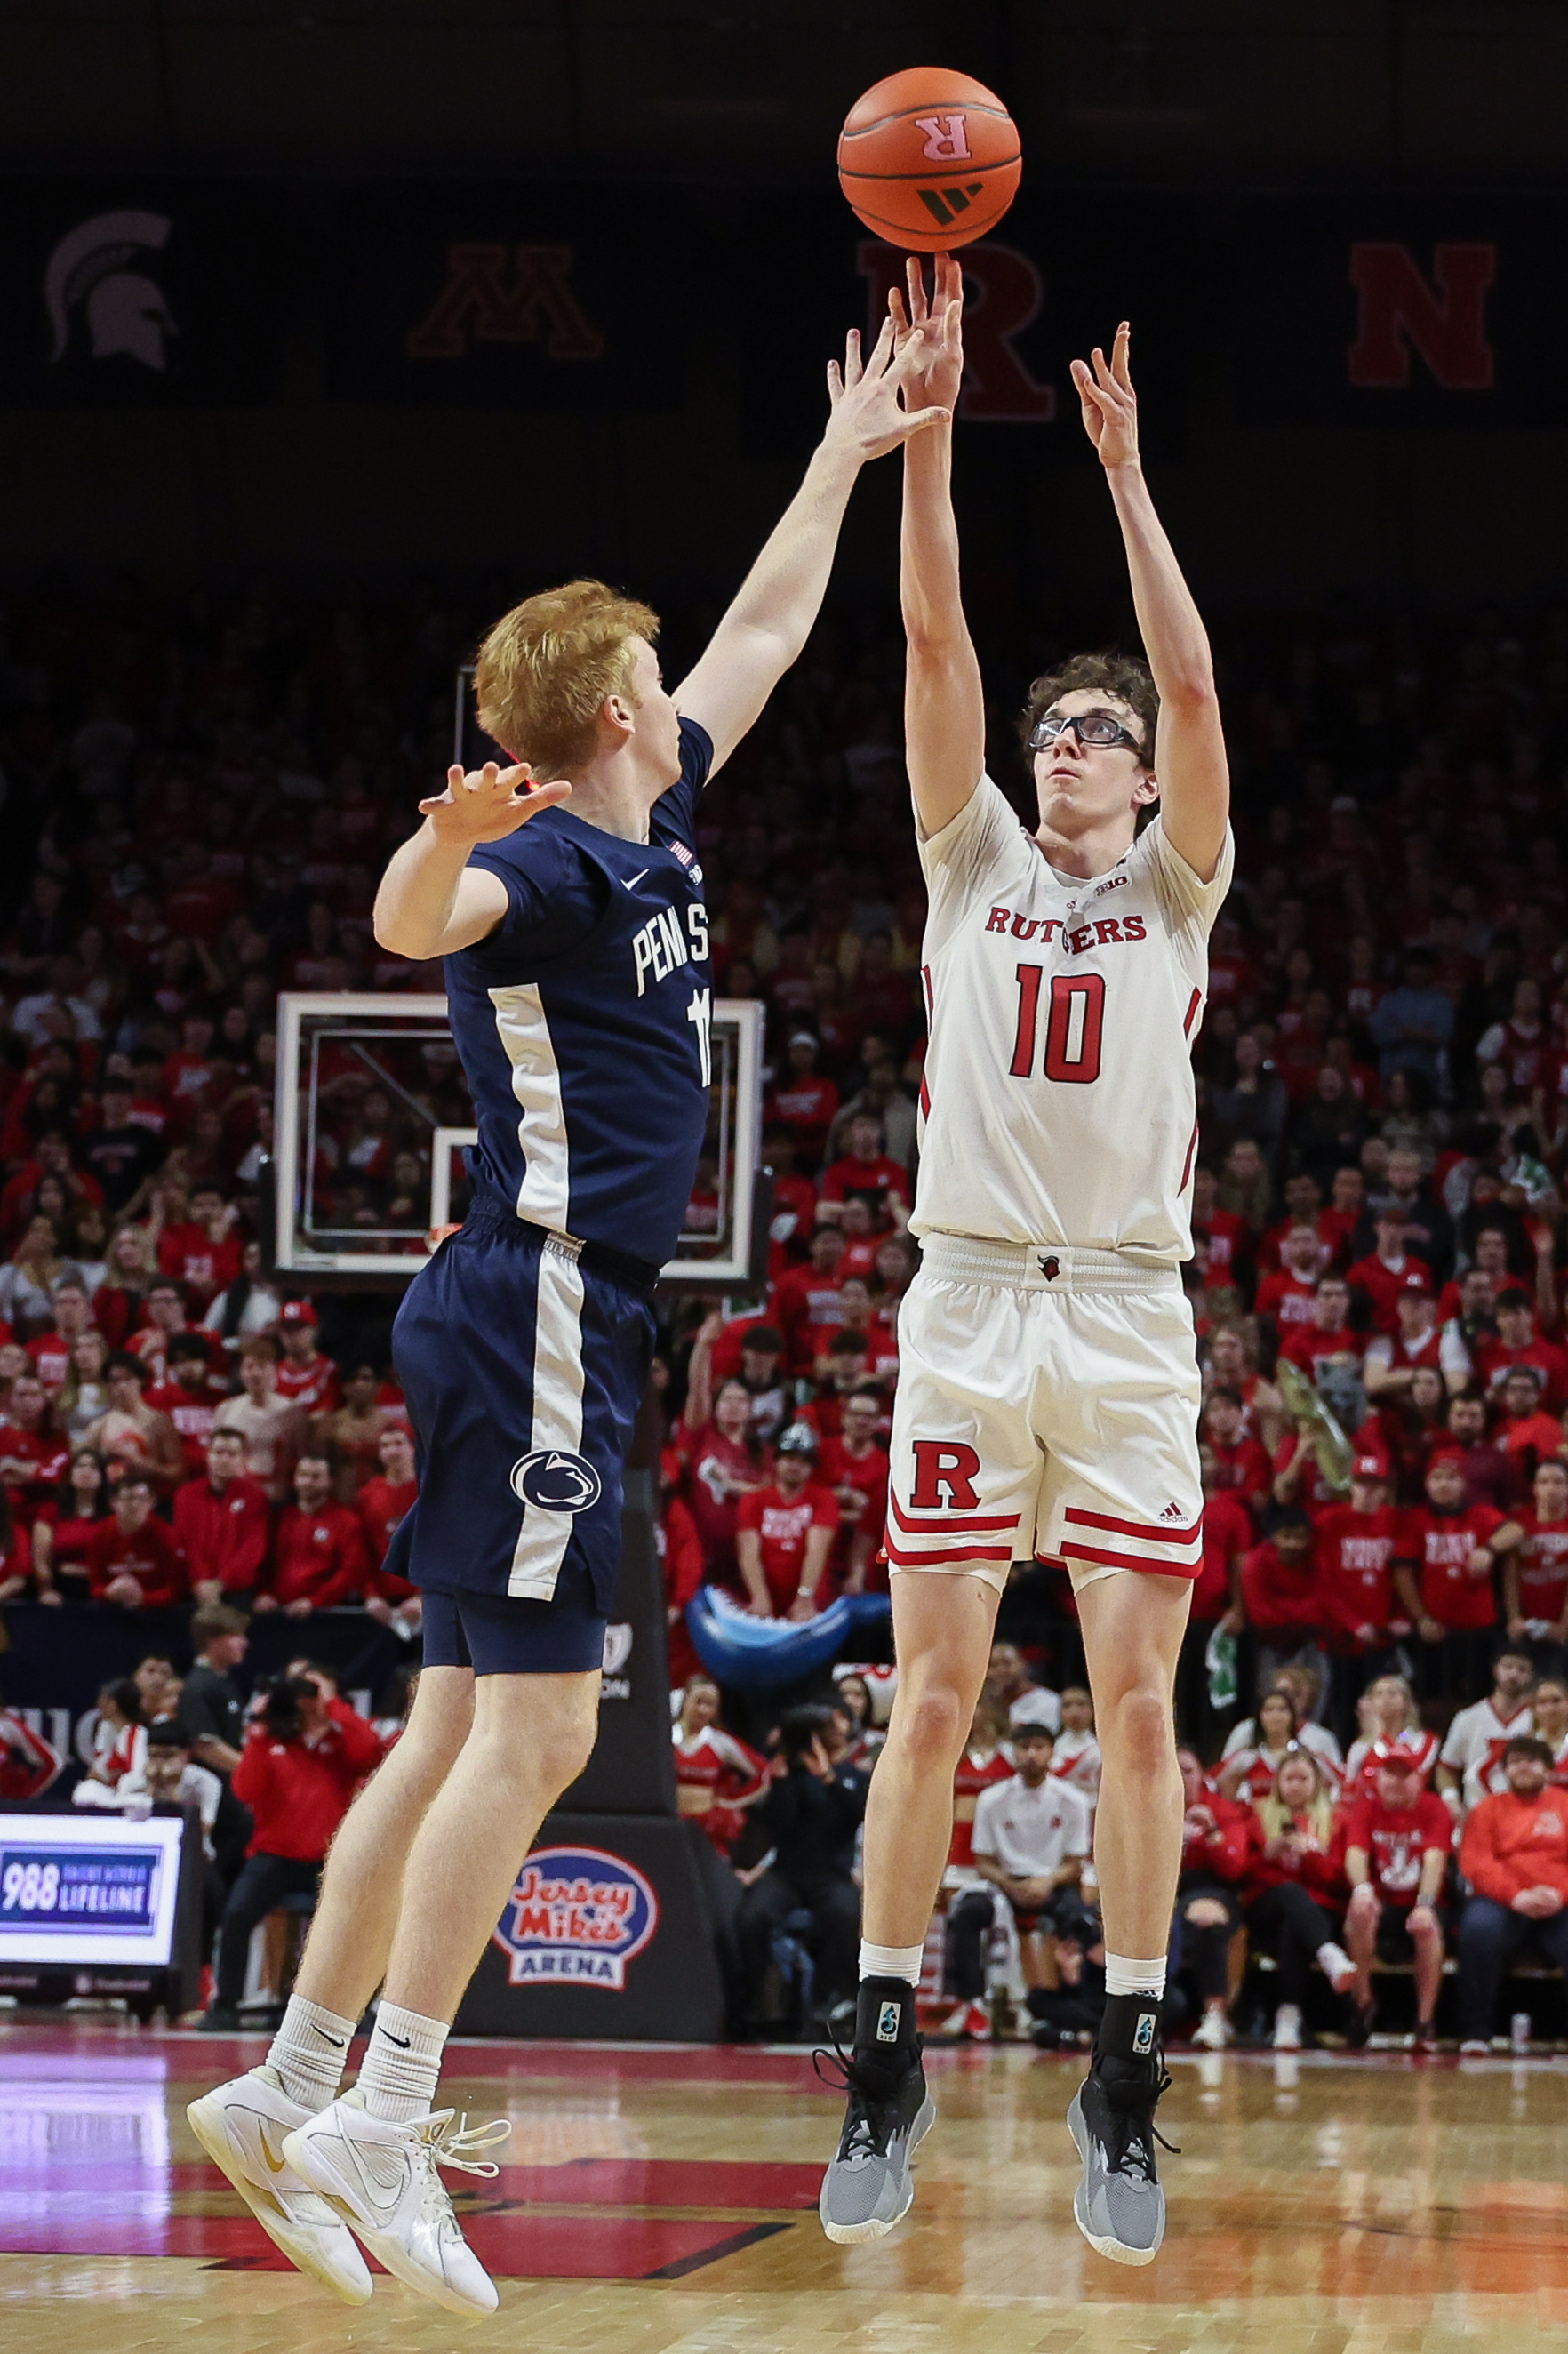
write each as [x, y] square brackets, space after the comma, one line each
[555, 1480]
[576, 1916]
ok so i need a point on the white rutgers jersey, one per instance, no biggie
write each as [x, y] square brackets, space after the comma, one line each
[1058, 1103]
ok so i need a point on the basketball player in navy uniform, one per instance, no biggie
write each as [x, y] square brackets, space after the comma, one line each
[565, 894]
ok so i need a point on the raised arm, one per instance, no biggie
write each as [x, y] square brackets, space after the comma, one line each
[431, 902]
[767, 627]
[1189, 748]
[944, 707]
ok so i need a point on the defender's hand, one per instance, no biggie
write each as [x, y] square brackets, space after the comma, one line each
[939, 370]
[1109, 402]
[868, 414]
[489, 803]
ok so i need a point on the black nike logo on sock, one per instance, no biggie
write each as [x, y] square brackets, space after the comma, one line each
[402, 2042]
[340, 2042]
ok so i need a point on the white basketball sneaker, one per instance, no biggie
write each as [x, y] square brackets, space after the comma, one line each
[241, 2125]
[382, 2180]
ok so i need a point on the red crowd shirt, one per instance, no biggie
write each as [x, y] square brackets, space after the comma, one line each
[1354, 1578]
[867, 1475]
[28, 1764]
[1394, 1840]
[151, 1557]
[1383, 1285]
[973, 1776]
[870, 1182]
[1543, 1564]
[1366, 1756]
[782, 1529]
[1245, 1467]
[311, 1385]
[1276, 1594]
[1227, 1531]
[1307, 1346]
[51, 1360]
[1226, 1237]
[50, 1457]
[712, 1770]
[223, 1533]
[189, 1255]
[1287, 1298]
[1495, 1361]
[319, 1556]
[1219, 1835]
[1438, 1545]
[192, 1413]
[382, 1504]
[298, 1791]
[714, 1460]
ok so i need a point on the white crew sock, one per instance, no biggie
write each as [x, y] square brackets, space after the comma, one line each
[398, 2078]
[1335, 1963]
[1125, 1976]
[891, 1961]
[310, 2051]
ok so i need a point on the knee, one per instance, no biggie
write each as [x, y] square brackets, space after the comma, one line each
[565, 1751]
[932, 1724]
[1364, 1905]
[1137, 1728]
[1205, 1913]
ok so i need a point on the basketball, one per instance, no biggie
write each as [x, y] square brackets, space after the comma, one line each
[930, 159]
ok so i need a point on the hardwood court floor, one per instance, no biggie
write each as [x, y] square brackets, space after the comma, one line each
[662, 2202]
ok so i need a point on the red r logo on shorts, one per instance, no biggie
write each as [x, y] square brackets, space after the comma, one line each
[944, 1476]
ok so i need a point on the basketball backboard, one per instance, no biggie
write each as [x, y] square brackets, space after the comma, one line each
[373, 1114]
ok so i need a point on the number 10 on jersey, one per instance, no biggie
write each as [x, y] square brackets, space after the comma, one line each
[1074, 1024]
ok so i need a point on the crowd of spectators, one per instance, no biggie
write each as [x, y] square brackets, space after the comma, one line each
[197, 803]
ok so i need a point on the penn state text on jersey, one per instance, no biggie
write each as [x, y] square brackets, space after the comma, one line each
[583, 1023]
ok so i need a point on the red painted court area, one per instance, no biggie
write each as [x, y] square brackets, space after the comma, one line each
[91, 2122]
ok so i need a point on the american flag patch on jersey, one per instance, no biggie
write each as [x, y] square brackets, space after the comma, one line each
[681, 852]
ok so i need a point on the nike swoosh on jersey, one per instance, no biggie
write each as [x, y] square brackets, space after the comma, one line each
[635, 880]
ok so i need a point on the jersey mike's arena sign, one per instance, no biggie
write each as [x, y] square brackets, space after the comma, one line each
[576, 1916]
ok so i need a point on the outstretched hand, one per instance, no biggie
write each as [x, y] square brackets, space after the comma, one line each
[487, 804]
[938, 369]
[869, 415]
[1109, 402]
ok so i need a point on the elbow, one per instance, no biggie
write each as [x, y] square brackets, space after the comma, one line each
[1190, 692]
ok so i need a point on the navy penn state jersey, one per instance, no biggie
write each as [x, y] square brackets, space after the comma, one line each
[582, 1023]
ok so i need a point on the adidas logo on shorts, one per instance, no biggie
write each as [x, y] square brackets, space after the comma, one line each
[1171, 1512]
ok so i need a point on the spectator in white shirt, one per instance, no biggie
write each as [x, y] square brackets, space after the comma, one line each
[1031, 1834]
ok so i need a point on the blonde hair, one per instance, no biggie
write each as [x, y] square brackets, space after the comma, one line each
[545, 671]
[1275, 1815]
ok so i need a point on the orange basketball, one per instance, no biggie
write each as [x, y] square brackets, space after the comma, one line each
[930, 159]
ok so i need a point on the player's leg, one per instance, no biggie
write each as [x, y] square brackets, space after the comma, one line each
[1118, 1415]
[351, 1936]
[374, 2153]
[942, 1625]
[241, 2124]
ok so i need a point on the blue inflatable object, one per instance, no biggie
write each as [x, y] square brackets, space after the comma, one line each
[753, 1654]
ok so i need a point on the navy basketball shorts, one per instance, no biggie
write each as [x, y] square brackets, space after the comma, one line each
[523, 1369]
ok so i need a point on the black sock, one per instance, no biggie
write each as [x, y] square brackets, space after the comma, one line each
[1130, 2028]
[885, 2030]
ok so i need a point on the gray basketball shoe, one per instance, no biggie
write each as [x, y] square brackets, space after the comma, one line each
[1120, 2206]
[869, 2184]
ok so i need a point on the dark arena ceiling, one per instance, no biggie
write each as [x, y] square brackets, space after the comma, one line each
[1200, 92]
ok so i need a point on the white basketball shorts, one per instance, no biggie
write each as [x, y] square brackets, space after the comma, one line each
[1047, 1406]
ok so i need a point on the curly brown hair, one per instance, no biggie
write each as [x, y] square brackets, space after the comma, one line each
[1117, 674]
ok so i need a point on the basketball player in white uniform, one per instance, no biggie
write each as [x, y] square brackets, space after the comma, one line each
[1048, 1390]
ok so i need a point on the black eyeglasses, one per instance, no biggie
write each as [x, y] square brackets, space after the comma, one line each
[1096, 728]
